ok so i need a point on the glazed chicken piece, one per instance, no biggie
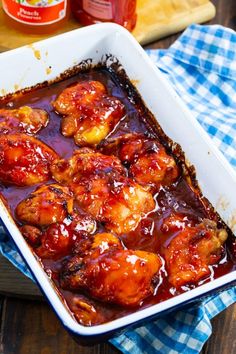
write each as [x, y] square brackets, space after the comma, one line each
[23, 120]
[59, 239]
[110, 273]
[89, 113]
[85, 162]
[148, 162]
[192, 250]
[24, 160]
[175, 222]
[101, 188]
[46, 205]
[80, 94]
[32, 234]
[85, 311]
[119, 203]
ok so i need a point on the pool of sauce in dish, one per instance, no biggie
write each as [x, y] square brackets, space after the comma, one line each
[178, 197]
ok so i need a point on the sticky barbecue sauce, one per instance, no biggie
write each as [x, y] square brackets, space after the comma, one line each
[148, 236]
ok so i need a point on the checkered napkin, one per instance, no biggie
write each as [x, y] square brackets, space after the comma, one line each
[201, 66]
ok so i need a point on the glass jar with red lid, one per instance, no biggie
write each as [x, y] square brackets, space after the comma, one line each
[122, 12]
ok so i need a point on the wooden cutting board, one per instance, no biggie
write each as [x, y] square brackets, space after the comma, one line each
[156, 19]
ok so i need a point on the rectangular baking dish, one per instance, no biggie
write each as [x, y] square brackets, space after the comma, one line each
[46, 60]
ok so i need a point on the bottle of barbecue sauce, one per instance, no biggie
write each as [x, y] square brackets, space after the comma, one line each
[35, 16]
[122, 12]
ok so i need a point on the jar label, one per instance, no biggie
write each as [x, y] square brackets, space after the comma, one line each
[35, 12]
[100, 9]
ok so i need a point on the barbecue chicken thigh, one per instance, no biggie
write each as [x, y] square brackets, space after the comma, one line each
[102, 189]
[147, 160]
[89, 113]
[111, 273]
[23, 120]
[46, 205]
[86, 162]
[191, 250]
[24, 160]
[60, 238]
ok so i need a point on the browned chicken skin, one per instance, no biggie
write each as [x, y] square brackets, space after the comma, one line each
[46, 205]
[110, 273]
[23, 120]
[149, 164]
[89, 113]
[60, 238]
[120, 203]
[85, 162]
[101, 188]
[82, 93]
[191, 250]
[24, 160]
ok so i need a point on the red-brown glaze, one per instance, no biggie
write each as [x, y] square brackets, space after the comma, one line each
[89, 113]
[149, 164]
[191, 249]
[23, 120]
[48, 204]
[85, 162]
[24, 160]
[101, 188]
[176, 206]
[61, 238]
[111, 273]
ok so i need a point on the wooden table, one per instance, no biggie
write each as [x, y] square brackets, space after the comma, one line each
[30, 326]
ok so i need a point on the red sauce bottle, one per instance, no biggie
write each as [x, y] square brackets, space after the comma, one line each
[122, 12]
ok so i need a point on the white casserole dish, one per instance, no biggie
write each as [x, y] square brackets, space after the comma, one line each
[46, 60]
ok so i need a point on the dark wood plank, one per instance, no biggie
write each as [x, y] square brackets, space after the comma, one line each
[28, 325]
[14, 282]
[223, 340]
[31, 327]
[2, 311]
[225, 16]
[225, 13]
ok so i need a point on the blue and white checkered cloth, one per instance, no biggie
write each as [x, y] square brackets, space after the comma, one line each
[201, 66]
